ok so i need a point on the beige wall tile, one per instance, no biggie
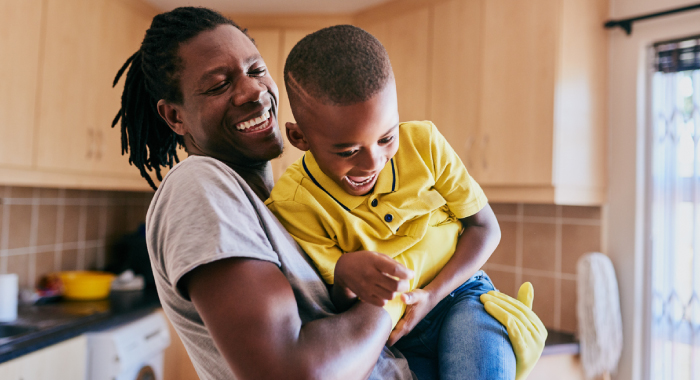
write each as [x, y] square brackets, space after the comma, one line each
[505, 252]
[577, 240]
[48, 193]
[503, 281]
[19, 264]
[71, 219]
[69, 259]
[504, 208]
[539, 210]
[20, 225]
[21, 192]
[581, 212]
[568, 306]
[543, 303]
[44, 264]
[91, 259]
[539, 246]
[92, 226]
[75, 193]
[46, 233]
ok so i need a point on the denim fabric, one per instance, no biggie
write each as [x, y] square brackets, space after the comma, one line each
[458, 339]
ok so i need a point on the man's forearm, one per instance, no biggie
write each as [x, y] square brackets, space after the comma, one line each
[347, 345]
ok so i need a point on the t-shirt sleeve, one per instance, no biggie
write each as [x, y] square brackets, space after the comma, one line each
[306, 226]
[202, 214]
[463, 195]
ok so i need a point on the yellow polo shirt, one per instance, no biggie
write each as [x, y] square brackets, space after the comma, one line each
[412, 215]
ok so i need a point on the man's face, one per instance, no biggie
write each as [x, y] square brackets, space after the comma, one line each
[351, 143]
[230, 101]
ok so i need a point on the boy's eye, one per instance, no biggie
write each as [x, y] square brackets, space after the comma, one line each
[347, 153]
[387, 140]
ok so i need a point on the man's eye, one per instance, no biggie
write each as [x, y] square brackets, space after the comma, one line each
[387, 140]
[259, 72]
[347, 153]
[218, 88]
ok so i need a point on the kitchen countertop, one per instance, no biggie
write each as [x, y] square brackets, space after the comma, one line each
[60, 321]
[63, 320]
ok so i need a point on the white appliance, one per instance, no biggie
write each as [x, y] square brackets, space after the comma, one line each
[129, 352]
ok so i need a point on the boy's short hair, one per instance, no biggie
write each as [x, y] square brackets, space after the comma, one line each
[338, 65]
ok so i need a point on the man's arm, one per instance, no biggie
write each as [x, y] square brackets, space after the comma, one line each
[249, 308]
[479, 239]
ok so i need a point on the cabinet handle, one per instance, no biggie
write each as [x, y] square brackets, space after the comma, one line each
[468, 149]
[98, 145]
[484, 144]
[89, 143]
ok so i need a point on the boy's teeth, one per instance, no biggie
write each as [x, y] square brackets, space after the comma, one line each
[249, 123]
[359, 181]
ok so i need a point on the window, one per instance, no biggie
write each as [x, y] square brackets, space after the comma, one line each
[675, 211]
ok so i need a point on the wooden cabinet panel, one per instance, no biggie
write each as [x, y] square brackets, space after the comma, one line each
[20, 35]
[517, 104]
[405, 38]
[456, 76]
[63, 361]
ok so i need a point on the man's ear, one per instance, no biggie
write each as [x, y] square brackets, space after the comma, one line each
[296, 136]
[171, 114]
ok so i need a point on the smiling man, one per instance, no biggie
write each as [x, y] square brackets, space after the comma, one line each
[242, 296]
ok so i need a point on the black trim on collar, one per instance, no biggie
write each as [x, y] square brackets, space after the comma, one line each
[306, 169]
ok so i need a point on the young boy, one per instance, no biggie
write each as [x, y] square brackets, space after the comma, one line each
[369, 185]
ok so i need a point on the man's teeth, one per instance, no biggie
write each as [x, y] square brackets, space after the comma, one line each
[257, 122]
[368, 180]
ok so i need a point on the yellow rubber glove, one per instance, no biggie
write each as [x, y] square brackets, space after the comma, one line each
[525, 330]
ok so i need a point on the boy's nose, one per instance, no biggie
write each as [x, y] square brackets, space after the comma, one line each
[373, 161]
[248, 90]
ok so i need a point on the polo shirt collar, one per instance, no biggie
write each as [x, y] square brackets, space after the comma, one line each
[387, 182]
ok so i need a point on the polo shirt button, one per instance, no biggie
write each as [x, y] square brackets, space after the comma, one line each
[374, 203]
[388, 218]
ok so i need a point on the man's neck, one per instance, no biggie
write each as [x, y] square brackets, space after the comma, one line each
[258, 177]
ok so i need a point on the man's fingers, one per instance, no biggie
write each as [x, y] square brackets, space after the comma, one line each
[526, 294]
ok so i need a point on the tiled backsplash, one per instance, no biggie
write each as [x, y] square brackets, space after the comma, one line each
[541, 244]
[45, 230]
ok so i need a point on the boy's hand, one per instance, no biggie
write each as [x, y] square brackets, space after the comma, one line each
[373, 277]
[419, 303]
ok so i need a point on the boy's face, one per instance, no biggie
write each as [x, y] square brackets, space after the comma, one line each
[350, 143]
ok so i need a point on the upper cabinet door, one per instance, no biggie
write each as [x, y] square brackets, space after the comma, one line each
[518, 71]
[456, 76]
[20, 35]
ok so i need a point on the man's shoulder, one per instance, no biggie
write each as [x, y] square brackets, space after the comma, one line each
[200, 168]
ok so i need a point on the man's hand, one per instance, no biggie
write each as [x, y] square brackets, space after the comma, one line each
[525, 329]
[419, 303]
[373, 277]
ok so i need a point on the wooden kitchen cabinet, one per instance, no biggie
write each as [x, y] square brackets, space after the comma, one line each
[20, 35]
[62, 361]
[518, 88]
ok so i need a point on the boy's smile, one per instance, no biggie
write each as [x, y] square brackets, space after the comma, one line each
[351, 143]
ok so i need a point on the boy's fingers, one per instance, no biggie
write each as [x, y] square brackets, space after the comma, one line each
[392, 268]
[409, 298]
[391, 284]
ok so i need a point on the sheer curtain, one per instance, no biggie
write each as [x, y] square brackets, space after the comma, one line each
[675, 214]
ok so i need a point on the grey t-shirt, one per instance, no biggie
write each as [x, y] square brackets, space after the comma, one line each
[203, 212]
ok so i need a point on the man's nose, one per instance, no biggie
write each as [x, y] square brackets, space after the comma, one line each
[248, 90]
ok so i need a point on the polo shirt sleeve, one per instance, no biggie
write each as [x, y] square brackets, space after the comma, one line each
[306, 225]
[463, 195]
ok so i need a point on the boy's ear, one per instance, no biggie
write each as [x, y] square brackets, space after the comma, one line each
[296, 136]
[171, 114]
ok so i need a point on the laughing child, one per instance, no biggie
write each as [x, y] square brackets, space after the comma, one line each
[371, 186]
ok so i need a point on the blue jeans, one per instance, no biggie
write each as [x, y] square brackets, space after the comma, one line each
[458, 339]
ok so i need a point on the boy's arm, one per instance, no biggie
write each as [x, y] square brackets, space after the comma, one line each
[479, 239]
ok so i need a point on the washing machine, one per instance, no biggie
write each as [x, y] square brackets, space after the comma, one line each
[129, 352]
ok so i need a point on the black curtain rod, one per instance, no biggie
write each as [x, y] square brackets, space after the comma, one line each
[626, 24]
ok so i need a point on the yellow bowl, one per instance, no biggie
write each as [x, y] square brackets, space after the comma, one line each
[86, 285]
